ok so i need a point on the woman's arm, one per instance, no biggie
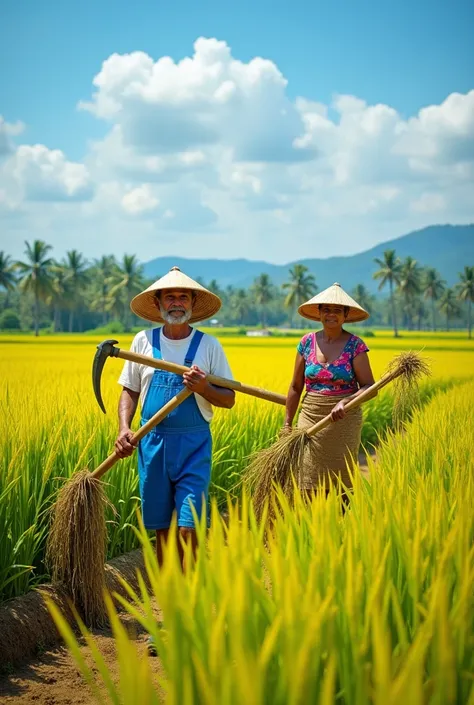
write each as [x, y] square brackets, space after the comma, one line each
[294, 392]
[363, 373]
[365, 379]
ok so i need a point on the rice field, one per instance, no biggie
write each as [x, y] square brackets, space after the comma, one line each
[372, 607]
[53, 426]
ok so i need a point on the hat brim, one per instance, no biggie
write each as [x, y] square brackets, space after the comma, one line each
[205, 306]
[311, 311]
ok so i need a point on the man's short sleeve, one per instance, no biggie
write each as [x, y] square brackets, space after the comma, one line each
[218, 363]
[131, 377]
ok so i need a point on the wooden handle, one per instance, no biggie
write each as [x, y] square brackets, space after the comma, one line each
[213, 379]
[354, 403]
[143, 430]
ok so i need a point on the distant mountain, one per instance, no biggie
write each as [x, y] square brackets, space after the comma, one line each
[448, 248]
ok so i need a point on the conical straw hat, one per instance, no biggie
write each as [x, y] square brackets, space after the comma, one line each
[334, 294]
[205, 305]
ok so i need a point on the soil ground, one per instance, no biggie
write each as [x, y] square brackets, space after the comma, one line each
[52, 678]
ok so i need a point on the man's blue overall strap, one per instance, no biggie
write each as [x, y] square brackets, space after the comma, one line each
[192, 350]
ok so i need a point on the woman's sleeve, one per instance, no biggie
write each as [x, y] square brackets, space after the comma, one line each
[360, 347]
[301, 347]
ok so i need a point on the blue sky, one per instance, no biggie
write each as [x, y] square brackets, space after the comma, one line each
[406, 54]
[403, 55]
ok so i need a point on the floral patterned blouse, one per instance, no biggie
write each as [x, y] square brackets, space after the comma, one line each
[335, 377]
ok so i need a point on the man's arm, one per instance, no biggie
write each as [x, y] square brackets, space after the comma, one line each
[196, 381]
[128, 403]
[218, 396]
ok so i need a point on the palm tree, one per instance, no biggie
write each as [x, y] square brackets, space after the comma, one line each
[215, 288]
[420, 311]
[389, 271]
[127, 280]
[100, 274]
[77, 278]
[363, 296]
[448, 305]
[35, 274]
[239, 305]
[433, 286]
[409, 286]
[300, 287]
[466, 292]
[228, 294]
[7, 276]
[262, 290]
[61, 293]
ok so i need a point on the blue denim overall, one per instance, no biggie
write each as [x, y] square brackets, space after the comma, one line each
[174, 458]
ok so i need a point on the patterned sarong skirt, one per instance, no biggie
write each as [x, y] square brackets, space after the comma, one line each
[332, 452]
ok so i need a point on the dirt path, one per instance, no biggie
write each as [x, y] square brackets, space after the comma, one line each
[53, 678]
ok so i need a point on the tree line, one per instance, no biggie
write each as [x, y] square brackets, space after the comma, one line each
[76, 295]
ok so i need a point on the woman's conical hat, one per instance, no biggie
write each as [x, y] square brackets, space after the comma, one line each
[206, 303]
[334, 294]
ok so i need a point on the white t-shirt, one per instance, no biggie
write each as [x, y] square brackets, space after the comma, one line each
[210, 357]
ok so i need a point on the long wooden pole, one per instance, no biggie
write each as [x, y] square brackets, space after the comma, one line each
[143, 430]
[213, 379]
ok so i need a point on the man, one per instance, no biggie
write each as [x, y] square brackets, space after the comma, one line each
[174, 458]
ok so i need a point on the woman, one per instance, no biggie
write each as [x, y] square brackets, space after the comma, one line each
[333, 367]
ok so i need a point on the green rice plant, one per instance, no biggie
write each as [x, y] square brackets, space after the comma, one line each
[371, 606]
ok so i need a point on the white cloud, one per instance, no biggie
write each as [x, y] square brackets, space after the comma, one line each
[36, 173]
[440, 134]
[210, 152]
[208, 99]
[7, 131]
[139, 200]
[113, 157]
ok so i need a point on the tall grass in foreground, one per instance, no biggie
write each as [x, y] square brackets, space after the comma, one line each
[372, 607]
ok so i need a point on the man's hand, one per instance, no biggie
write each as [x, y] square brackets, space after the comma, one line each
[338, 412]
[196, 380]
[123, 445]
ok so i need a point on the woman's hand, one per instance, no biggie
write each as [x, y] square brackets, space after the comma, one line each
[338, 412]
[285, 430]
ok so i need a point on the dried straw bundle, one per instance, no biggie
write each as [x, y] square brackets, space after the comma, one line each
[76, 548]
[408, 368]
[281, 463]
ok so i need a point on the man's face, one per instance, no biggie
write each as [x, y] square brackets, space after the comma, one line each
[176, 305]
[332, 315]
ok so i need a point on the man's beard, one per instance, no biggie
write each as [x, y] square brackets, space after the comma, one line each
[175, 320]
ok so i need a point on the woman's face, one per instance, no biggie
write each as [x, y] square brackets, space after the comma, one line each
[332, 316]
